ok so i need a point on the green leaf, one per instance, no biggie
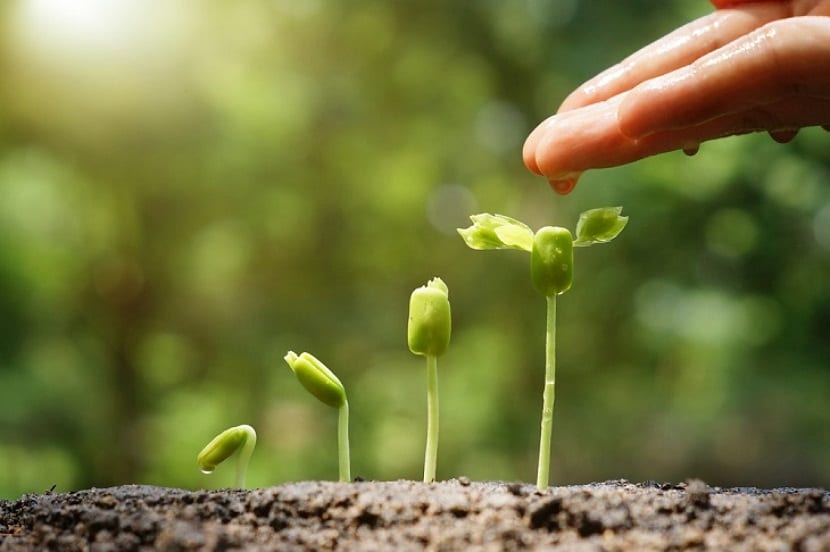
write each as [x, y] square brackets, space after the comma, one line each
[430, 324]
[317, 378]
[599, 226]
[224, 445]
[497, 232]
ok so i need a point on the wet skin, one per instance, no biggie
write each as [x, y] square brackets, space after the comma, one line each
[747, 67]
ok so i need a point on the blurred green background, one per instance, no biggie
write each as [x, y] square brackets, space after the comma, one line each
[190, 189]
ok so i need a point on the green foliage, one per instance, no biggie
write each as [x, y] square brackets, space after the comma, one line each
[550, 247]
[221, 447]
[430, 321]
[249, 177]
[317, 378]
[497, 232]
[552, 260]
[241, 439]
[599, 226]
[551, 271]
[428, 334]
[325, 386]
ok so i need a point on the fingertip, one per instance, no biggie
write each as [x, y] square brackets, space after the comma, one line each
[556, 151]
[529, 150]
[529, 158]
[572, 142]
[546, 155]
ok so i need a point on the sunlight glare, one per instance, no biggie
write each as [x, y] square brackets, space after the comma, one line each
[71, 27]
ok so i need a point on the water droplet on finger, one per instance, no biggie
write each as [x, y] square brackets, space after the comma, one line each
[206, 471]
[691, 149]
[783, 136]
[563, 186]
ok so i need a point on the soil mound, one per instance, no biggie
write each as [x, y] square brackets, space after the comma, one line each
[406, 515]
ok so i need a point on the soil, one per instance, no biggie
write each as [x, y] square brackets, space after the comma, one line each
[406, 515]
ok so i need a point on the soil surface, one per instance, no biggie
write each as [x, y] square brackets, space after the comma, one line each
[406, 515]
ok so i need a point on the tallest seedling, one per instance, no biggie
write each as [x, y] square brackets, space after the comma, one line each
[551, 271]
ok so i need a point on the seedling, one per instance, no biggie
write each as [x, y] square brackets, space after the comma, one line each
[551, 271]
[428, 334]
[240, 438]
[323, 384]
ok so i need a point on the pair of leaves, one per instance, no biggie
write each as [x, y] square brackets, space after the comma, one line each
[501, 232]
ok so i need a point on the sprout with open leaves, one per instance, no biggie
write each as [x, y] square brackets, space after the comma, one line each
[551, 271]
[323, 384]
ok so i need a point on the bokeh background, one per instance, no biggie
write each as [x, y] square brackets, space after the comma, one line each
[190, 189]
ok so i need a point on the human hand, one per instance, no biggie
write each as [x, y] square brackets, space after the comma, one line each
[749, 66]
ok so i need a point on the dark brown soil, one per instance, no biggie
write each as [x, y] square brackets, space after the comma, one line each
[405, 515]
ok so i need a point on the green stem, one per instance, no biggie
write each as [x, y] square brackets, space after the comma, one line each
[343, 442]
[431, 454]
[244, 457]
[548, 396]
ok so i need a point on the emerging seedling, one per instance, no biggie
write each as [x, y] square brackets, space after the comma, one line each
[241, 438]
[551, 271]
[428, 334]
[323, 384]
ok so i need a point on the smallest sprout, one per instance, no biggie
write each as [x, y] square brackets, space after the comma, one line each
[241, 438]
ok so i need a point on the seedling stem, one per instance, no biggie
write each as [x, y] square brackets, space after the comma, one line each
[343, 442]
[549, 395]
[431, 454]
[244, 457]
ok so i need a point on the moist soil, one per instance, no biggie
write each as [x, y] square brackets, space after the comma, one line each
[407, 515]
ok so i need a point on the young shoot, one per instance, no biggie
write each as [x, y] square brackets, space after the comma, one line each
[551, 271]
[323, 384]
[428, 334]
[240, 438]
